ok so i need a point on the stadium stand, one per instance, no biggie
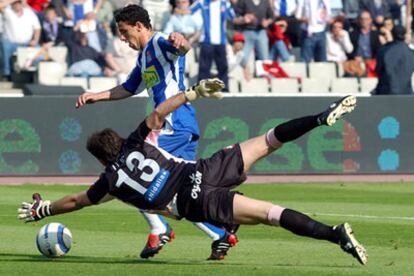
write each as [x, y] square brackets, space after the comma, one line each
[285, 86]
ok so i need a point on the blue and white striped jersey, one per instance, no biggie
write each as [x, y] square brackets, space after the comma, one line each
[215, 13]
[160, 70]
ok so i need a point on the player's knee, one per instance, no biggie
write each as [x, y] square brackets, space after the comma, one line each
[274, 214]
[272, 141]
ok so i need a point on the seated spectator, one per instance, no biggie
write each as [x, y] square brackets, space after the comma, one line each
[379, 9]
[235, 55]
[21, 29]
[51, 35]
[338, 42]
[385, 31]
[183, 21]
[365, 38]
[278, 41]
[85, 61]
[97, 37]
[395, 66]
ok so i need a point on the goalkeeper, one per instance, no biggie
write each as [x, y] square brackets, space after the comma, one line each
[140, 174]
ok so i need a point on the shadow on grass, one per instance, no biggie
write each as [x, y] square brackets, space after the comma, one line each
[12, 257]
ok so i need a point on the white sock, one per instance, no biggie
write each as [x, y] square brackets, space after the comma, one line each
[156, 223]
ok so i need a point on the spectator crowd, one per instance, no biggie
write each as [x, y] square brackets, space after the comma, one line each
[227, 34]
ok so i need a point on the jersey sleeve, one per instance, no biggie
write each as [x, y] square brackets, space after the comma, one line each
[98, 190]
[138, 135]
[134, 83]
[166, 46]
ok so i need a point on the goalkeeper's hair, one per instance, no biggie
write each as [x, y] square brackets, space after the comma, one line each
[131, 14]
[105, 145]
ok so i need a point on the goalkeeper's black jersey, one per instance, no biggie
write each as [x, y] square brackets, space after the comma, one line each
[143, 175]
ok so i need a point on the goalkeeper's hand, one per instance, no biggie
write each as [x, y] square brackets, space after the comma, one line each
[34, 211]
[208, 88]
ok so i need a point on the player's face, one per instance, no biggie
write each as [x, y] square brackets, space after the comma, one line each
[129, 34]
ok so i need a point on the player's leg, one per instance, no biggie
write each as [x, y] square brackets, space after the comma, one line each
[222, 239]
[160, 233]
[205, 61]
[261, 146]
[252, 211]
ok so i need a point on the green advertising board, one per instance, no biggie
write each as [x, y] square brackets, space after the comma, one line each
[46, 135]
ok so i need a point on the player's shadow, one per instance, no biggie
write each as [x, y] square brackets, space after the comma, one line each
[5, 257]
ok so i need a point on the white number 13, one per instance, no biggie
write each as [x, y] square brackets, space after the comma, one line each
[142, 163]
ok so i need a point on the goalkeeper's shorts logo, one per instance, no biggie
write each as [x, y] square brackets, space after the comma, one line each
[196, 179]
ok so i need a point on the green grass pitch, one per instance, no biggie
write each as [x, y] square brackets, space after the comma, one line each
[108, 238]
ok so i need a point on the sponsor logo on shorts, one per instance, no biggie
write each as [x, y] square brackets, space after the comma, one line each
[196, 179]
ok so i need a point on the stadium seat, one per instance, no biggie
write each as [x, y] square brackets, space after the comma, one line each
[23, 54]
[74, 81]
[345, 86]
[368, 84]
[50, 73]
[58, 54]
[283, 86]
[237, 73]
[102, 83]
[234, 86]
[295, 69]
[255, 86]
[318, 86]
[322, 70]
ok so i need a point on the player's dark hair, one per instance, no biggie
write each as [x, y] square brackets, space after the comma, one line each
[105, 145]
[132, 14]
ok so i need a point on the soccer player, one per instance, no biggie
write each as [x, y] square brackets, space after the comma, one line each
[145, 176]
[160, 70]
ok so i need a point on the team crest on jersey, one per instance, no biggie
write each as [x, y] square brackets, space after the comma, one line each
[148, 56]
[151, 77]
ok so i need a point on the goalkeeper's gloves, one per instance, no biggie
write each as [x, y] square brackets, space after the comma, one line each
[208, 88]
[34, 211]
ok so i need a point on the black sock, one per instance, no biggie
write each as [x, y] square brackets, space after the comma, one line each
[303, 225]
[295, 128]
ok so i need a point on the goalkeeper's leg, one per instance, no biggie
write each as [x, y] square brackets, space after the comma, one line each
[251, 211]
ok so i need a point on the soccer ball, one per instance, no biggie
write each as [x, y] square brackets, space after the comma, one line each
[54, 240]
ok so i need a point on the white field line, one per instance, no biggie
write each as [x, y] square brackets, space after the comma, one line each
[361, 216]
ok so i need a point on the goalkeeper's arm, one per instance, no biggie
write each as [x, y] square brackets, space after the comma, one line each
[40, 209]
[209, 88]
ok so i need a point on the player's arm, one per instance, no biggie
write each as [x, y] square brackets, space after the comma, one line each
[209, 88]
[179, 42]
[40, 208]
[113, 94]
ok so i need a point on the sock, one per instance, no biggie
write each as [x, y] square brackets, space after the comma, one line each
[303, 225]
[295, 128]
[214, 232]
[156, 223]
